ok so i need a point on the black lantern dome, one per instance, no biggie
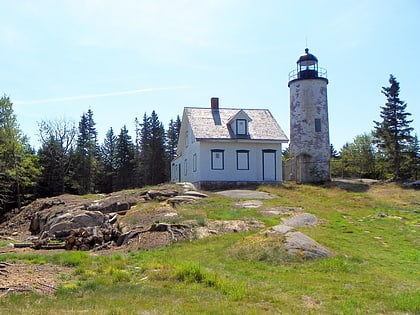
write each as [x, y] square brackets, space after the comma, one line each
[307, 59]
[307, 68]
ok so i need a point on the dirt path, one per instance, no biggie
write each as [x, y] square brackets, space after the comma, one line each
[21, 277]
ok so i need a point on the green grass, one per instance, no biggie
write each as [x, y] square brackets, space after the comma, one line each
[374, 270]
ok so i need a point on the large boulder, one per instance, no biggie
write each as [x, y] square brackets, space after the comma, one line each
[53, 221]
[278, 244]
[75, 220]
[299, 244]
[303, 246]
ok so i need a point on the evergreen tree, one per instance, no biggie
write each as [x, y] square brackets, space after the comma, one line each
[153, 158]
[108, 158]
[124, 160]
[86, 156]
[392, 134]
[159, 160]
[138, 175]
[334, 153]
[172, 137]
[144, 150]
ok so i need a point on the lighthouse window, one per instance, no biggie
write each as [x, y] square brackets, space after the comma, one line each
[317, 125]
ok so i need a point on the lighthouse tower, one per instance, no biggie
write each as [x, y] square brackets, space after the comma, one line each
[309, 130]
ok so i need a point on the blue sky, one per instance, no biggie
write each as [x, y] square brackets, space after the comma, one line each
[124, 58]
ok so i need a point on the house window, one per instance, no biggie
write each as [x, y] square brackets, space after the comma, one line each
[185, 167]
[217, 160]
[242, 159]
[317, 125]
[195, 162]
[241, 126]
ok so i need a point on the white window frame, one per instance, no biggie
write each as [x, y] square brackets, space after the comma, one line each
[217, 159]
[241, 131]
[195, 162]
[242, 159]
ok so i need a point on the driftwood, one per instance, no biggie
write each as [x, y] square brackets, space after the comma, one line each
[87, 238]
[75, 239]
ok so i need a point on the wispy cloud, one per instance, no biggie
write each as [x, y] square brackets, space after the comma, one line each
[92, 96]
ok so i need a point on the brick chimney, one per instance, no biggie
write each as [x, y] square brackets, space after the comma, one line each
[214, 103]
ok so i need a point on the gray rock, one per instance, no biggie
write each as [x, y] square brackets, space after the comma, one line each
[304, 247]
[76, 220]
[303, 219]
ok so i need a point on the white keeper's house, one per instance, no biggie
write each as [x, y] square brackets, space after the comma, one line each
[226, 147]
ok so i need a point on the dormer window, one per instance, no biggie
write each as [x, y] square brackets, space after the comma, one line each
[241, 127]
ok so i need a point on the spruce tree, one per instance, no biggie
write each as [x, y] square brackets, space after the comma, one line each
[124, 160]
[153, 157]
[109, 165]
[393, 133]
[159, 165]
[172, 137]
[86, 155]
[145, 151]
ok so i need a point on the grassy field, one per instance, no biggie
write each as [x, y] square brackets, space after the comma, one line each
[375, 268]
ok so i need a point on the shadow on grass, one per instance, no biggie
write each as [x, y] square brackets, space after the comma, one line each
[348, 185]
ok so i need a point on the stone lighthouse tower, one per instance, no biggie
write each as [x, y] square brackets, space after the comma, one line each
[309, 129]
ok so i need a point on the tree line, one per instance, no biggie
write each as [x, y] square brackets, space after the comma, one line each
[71, 159]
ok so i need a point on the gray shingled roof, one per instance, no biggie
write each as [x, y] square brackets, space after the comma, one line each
[213, 124]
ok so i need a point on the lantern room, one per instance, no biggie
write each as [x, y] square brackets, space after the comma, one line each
[307, 68]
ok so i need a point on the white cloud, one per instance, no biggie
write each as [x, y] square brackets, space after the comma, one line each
[92, 96]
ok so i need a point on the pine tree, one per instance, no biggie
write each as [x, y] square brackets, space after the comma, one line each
[86, 155]
[124, 160]
[334, 153]
[144, 150]
[392, 134]
[172, 137]
[108, 158]
[153, 158]
[138, 174]
[159, 160]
